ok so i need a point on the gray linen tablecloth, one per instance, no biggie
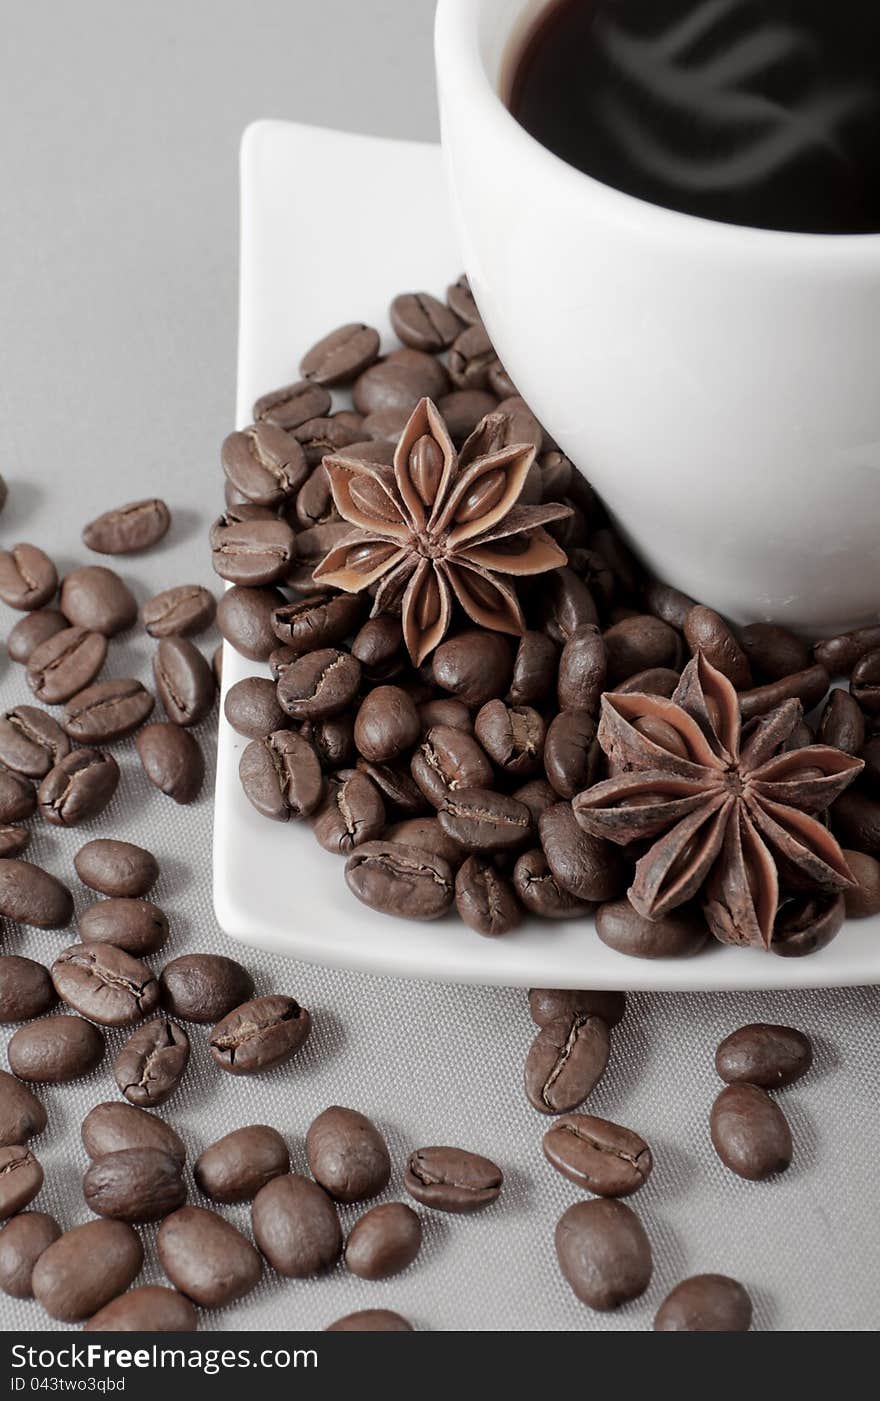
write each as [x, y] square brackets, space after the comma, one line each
[119, 129]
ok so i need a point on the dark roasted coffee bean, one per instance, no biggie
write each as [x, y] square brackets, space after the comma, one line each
[800, 737]
[235, 1167]
[347, 1154]
[398, 790]
[547, 1004]
[400, 880]
[423, 322]
[217, 664]
[386, 425]
[281, 776]
[252, 553]
[292, 405]
[31, 742]
[31, 630]
[861, 901]
[809, 687]
[135, 1184]
[296, 1226]
[17, 798]
[85, 1268]
[463, 410]
[22, 1242]
[244, 616]
[749, 1132]
[252, 709]
[566, 1061]
[806, 923]
[29, 895]
[135, 926]
[839, 654]
[471, 357]
[79, 787]
[568, 605]
[668, 604]
[460, 300]
[318, 684]
[95, 598]
[705, 1304]
[179, 611]
[259, 1034]
[152, 1063]
[317, 621]
[184, 681]
[773, 652]
[111, 1127]
[556, 475]
[312, 546]
[452, 1179]
[370, 1321]
[377, 646]
[582, 667]
[485, 899]
[384, 1241]
[677, 935]
[598, 1155]
[107, 711]
[534, 669]
[571, 752]
[586, 866]
[843, 723]
[656, 681]
[22, 1116]
[116, 868]
[481, 820]
[105, 984]
[28, 578]
[637, 644]
[539, 891]
[54, 1050]
[172, 760]
[351, 813]
[319, 437]
[512, 736]
[519, 426]
[855, 820]
[399, 382]
[21, 1178]
[426, 832]
[706, 631]
[204, 987]
[449, 759]
[762, 1054]
[627, 575]
[151, 1308]
[342, 355]
[603, 1253]
[127, 529]
[538, 796]
[264, 464]
[865, 682]
[445, 712]
[26, 989]
[65, 664]
[387, 723]
[13, 840]
[206, 1258]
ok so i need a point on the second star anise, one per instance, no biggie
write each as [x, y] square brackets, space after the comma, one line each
[439, 526]
[728, 817]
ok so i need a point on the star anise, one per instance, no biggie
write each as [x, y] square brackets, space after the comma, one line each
[727, 814]
[439, 526]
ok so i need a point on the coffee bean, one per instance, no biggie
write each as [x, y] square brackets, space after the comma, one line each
[26, 989]
[172, 760]
[749, 1132]
[706, 631]
[206, 1258]
[861, 901]
[843, 723]
[135, 1184]
[399, 382]
[449, 759]
[30, 895]
[582, 668]
[347, 1154]
[79, 787]
[656, 681]
[31, 630]
[566, 1061]
[426, 832]
[400, 880]
[603, 1253]
[513, 736]
[481, 820]
[463, 410]
[217, 664]
[471, 357]
[521, 426]
[773, 652]
[244, 616]
[399, 791]
[598, 1155]
[637, 644]
[259, 1034]
[386, 425]
[128, 529]
[806, 923]
[809, 687]
[547, 1004]
[460, 300]
[116, 868]
[485, 899]
[765, 1055]
[107, 711]
[252, 553]
[423, 322]
[386, 724]
[452, 1179]
[151, 1308]
[571, 752]
[342, 355]
[31, 742]
[21, 1178]
[54, 1050]
[538, 890]
[204, 987]
[800, 738]
[136, 926]
[95, 598]
[351, 813]
[445, 712]
[321, 437]
[252, 709]
[317, 622]
[292, 405]
[17, 798]
[281, 776]
[65, 664]
[22, 1116]
[264, 464]
[705, 1304]
[839, 654]
[475, 666]
[235, 1167]
[296, 1226]
[568, 605]
[179, 611]
[85, 1268]
[112, 1127]
[377, 646]
[370, 1321]
[855, 820]
[152, 1063]
[667, 603]
[105, 984]
[314, 504]
[534, 669]
[865, 682]
[13, 840]
[679, 934]
[22, 1242]
[586, 866]
[318, 684]
[28, 578]
[184, 681]
[383, 1241]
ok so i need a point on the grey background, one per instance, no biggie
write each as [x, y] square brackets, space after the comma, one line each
[119, 128]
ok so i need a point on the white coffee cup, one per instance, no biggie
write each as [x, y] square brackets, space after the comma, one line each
[718, 385]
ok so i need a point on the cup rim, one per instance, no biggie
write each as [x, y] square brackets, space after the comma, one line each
[457, 49]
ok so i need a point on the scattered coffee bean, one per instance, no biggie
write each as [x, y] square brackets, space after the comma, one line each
[471, 357]
[65, 664]
[317, 621]
[855, 820]
[107, 711]
[127, 529]
[565, 1063]
[603, 1253]
[244, 616]
[184, 681]
[105, 984]
[448, 759]
[116, 868]
[485, 898]
[292, 405]
[13, 840]
[679, 934]
[773, 652]
[179, 611]
[135, 1184]
[204, 987]
[806, 923]
[21, 1178]
[637, 644]
[347, 1154]
[22, 1242]
[172, 760]
[598, 1155]
[386, 425]
[296, 1226]
[865, 682]
[586, 866]
[475, 666]
[765, 1055]
[79, 787]
[30, 895]
[399, 792]
[452, 1179]
[206, 1258]
[22, 1116]
[26, 989]
[463, 410]
[749, 1132]
[112, 1127]
[571, 752]
[281, 776]
[136, 926]
[351, 813]
[512, 736]
[54, 1050]
[31, 742]
[252, 553]
[843, 723]
[152, 1063]
[861, 901]
[548, 1004]
[423, 322]
[482, 820]
[568, 605]
[582, 668]
[706, 631]
[235, 1167]
[370, 1321]
[151, 1308]
[252, 709]
[28, 578]
[426, 832]
[534, 669]
[705, 1304]
[387, 723]
[259, 1034]
[17, 798]
[95, 598]
[460, 300]
[318, 684]
[31, 630]
[400, 880]
[656, 681]
[383, 1241]
[377, 646]
[838, 655]
[399, 382]
[85, 1268]
[667, 603]
[540, 892]
[809, 687]
[342, 355]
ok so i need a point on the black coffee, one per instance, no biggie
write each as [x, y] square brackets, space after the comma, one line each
[759, 112]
